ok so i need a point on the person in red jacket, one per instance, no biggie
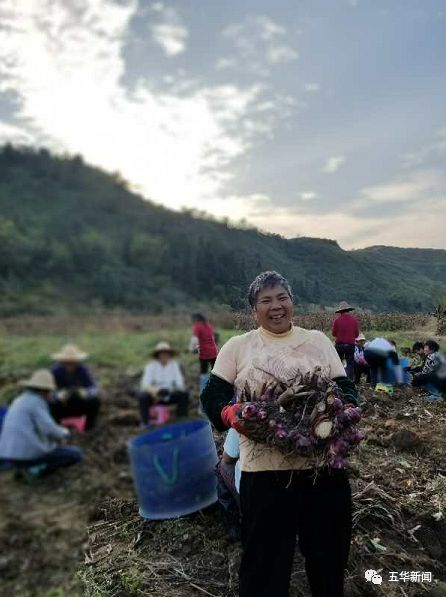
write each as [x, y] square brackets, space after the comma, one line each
[203, 337]
[345, 331]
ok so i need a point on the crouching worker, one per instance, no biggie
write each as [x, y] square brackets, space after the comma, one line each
[384, 364]
[163, 383]
[77, 393]
[30, 436]
[228, 484]
[433, 374]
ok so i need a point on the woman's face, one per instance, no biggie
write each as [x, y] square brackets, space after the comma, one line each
[426, 350]
[164, 357]
[274, 309]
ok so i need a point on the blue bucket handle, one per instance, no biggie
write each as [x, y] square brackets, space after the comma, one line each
[168, 479]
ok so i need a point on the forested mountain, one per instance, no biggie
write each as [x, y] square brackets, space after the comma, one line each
[73, 237]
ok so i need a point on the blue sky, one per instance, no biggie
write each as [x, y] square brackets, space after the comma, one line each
[305, 117]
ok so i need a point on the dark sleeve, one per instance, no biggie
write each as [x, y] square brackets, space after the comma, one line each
[58, 376]
[86, 378]
[348, 388]
[217, 394]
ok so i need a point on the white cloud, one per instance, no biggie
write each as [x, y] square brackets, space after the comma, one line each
[415, 187]
[334, 163]
[281, 54]
[64, 62]
[225, 63]
[170, 34]
[308, 195]
[261, 43]
[172, 38]
[14, 134]
[434, 149]
[349, 229]
[311, 87]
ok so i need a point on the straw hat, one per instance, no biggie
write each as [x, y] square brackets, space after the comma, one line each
[70, 353]
[163, 347]
[42, 379]
[343, 307]
[360, 337]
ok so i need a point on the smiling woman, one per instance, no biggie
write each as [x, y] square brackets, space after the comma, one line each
[271, 298]
[282, 496]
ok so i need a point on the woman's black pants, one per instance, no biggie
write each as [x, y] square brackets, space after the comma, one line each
[277, 507]
[76, 406]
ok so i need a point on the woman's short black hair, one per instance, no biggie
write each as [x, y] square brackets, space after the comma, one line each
[198, 317]
[267, 280]
[432, 345]
[417, 346]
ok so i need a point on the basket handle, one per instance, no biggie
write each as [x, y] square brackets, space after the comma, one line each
[168, 479]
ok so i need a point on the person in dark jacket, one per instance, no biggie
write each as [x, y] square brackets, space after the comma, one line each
[77, 393]
[345, 330]
[282, 497]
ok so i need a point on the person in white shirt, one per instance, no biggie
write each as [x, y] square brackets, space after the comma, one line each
[163, 383]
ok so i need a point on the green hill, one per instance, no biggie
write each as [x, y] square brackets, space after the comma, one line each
[74, 237]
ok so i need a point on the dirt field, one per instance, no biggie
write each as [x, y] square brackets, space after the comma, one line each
[79, 532]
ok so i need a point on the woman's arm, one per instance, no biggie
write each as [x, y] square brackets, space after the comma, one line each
[337, 373]
[47, 426]
[217, 394]
[179, 379]
[147, 378]
[348, 388]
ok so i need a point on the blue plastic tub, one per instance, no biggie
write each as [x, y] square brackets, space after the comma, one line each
[404, 362]
[173, 469]
[3, 411]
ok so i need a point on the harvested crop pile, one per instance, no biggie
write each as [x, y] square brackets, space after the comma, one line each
[399, 492]
[305, 416]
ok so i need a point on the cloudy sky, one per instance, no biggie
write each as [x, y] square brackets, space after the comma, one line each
[305, 117]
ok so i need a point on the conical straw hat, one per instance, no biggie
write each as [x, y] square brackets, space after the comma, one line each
[70, 353]
[163, 347]
[42, 379]
[344, 306]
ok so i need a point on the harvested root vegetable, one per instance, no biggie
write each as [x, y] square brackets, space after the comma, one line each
[306, 416]
[287, 396]
[323, 429]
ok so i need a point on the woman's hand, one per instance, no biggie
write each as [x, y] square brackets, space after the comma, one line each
[229, 416]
